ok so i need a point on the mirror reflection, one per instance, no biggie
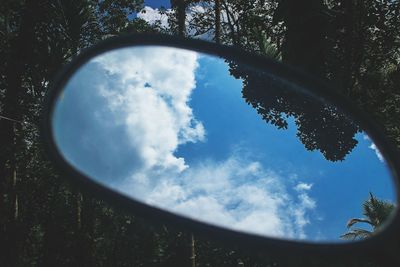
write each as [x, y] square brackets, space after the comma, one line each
[223, 143]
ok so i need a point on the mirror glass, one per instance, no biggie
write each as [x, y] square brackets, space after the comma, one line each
[223, 143]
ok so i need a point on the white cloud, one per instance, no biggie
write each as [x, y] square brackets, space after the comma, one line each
[235, 193]
[153, 16]
[303, 186]
[150, 97]
[148, 93]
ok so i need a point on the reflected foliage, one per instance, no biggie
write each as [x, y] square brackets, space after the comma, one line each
[376, 213]
[46, 222]
[319, 126]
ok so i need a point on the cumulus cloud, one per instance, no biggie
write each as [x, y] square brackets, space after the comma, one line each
[150, 97]
[153, 16]
[147, 94]
[303, 187]
[236, 193]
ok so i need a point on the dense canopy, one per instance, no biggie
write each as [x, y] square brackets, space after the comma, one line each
[44, 221]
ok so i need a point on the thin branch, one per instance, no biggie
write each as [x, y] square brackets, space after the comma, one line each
[17, 121]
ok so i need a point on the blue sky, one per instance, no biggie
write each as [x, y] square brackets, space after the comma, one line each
[158, 3]
[170, 128]
[151, 14]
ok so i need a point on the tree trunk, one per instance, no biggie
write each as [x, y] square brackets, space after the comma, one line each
[349, 7]
[217, 21]
[192, 251]
[231, 22]
[305, 35]
[21, 46]
[180, 6]
[15, 196]
[78, 211]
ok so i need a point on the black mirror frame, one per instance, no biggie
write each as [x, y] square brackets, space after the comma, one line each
[383, 247]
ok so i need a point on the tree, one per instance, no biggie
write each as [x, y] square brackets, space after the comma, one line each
[305, 32]
[376, 212]
[320, 126]
[45, 221]
[236, 22]
[42, 222]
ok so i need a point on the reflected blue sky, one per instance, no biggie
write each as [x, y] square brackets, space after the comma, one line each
[170, 127]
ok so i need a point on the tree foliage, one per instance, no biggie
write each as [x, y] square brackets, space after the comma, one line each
[377, 212]
[44, 221]
[320, 126]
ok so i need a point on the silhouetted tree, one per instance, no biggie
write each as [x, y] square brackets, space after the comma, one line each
[320, 126]
[376, 212]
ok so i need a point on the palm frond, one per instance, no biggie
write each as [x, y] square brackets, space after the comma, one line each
[377, 211]
[357, 233]
[353, 221]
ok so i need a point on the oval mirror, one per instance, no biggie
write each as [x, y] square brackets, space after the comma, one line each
[223, 143]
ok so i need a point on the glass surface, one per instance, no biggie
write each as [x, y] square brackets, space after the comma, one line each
[222, 143]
